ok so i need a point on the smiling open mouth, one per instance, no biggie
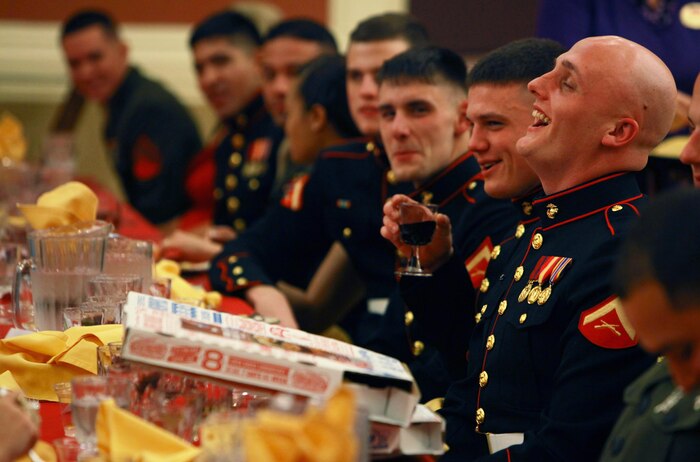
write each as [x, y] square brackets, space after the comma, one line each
[487, 166]
[541, 120]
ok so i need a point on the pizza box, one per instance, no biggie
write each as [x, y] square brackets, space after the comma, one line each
[236, 349]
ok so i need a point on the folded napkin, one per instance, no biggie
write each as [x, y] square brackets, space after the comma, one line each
[122, 436]
[318, 435]
[67, 204]
[180, 289]
[39, 360]
[13, 144]
[42, 449]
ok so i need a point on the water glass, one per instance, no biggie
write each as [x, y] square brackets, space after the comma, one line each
[88, 391]
[125, 256]
[84, 315]
[63, 392]
[67, 449]
[114, 287]
[9, 256]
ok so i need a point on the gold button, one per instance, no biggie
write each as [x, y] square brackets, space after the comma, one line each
[232, 259]
[232, 203]
[418, 348]
[231, 182]
[237, 141]
[237, 271]
[502, 307]
[239, 224]
[616, 208]
[218, 194]
[490, 341]
[235, 159]
[408, 318]
[483, 379]
[519, 231]
[391, 177]
[254, 184]
[552, 211]
[495, 252]
[527, 208]
[472, 185]
[347, 232]
[370, 146]
[537, 241]
[480, 416]
[426, 197]
[477, 318]
[523, 317]
[241, 281]
[519, 271]
[483, 309]
[484, 285]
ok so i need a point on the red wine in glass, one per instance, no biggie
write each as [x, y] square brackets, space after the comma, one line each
[416, 227]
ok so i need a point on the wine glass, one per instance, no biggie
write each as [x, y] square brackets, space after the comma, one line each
[416, 225]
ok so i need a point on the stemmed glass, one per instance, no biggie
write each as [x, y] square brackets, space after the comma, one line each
[416, 225]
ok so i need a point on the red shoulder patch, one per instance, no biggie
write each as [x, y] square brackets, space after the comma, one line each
[606, 325]
[294, 193]
[147, 161]
[477, 262]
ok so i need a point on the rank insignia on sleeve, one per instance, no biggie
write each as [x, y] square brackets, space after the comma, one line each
[606, 325]
[147, 161]
[477, 262]
[294, 193]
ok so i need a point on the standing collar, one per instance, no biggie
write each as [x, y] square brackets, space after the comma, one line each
[252, 113]
[586, 199]
[461, 174]
[523, 204]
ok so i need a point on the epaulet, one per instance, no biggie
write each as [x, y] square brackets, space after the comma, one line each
[293, 198]
[619, 216]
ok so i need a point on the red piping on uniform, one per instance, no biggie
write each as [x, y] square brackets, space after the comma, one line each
[346, 155]
[578, 188]
[625, 202]
[508, 454]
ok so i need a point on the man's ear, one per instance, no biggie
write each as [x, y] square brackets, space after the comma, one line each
[318, 118]
[624, 131]
[462, 123]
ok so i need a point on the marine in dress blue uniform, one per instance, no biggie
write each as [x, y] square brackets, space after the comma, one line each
[341, 200]
[246, 162]
[479, 221]
[152, 139]
[550, 352]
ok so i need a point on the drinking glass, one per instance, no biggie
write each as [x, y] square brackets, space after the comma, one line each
[67, 449]
[63, 392]
[9, 256]
[161, 287]
[416, 225]
[88, 391]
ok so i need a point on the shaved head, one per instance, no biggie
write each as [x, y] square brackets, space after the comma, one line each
[643, 85]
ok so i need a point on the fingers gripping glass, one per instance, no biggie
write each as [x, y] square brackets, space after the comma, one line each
[416, 225]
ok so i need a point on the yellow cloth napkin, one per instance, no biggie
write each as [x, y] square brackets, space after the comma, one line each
[43, 450]
[13, 144]
[183, 290]
[39, 360]
[125, 437]
[67, 204]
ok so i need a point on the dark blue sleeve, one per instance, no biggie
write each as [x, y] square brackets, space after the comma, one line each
[284, 244]
[163, 139]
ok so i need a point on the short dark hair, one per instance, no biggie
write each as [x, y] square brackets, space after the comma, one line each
[390, 26]
[322, 82]
[86, 18]
[428, 65]
[233, 26]
[516, 62]
[303, 29]
[663, 246]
